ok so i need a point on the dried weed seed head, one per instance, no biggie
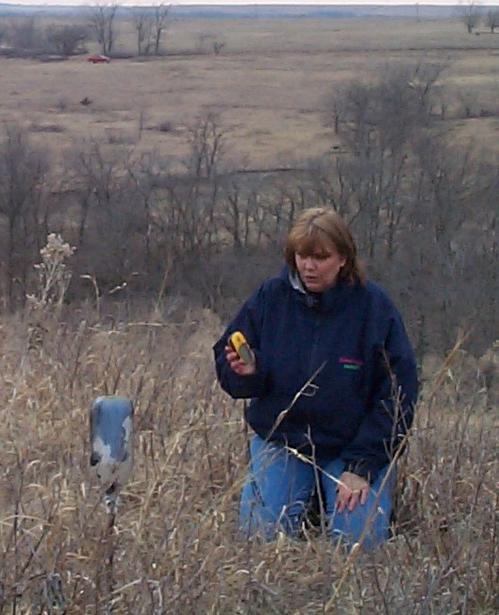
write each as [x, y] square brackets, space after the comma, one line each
[53, 274]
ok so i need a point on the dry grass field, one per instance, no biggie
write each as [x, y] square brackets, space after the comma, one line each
[175, 546]
[269, 85]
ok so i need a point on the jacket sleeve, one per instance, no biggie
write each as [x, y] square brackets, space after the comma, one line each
[391, 405]
[249, 321]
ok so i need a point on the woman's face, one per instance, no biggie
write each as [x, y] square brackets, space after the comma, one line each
[319, 270]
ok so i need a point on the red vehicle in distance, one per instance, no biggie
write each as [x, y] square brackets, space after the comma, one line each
[98, 59]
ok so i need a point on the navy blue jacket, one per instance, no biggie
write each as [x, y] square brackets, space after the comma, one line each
[360, 402]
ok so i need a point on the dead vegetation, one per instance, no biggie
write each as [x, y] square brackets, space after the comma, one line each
[176, 546]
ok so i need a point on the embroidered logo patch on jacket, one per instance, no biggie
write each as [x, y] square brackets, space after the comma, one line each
[351, 363]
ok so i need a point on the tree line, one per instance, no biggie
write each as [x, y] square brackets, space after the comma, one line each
[98, 23]
[472, 15]
[424, 213]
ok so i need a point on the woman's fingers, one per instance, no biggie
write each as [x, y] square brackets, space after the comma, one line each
[358, 497]
[347, 499]
[363, 495]
[231, 355]
[343, 497]
[352, 490]
[237, 365]
[353, 501]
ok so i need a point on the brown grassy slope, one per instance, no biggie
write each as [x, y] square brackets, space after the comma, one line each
[269, 85]
[176, 546]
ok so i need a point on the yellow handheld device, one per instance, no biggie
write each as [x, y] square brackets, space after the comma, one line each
[239, 344]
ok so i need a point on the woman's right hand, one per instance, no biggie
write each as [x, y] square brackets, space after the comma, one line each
[237, 365]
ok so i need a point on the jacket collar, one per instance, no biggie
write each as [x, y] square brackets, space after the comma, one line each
[331, 299]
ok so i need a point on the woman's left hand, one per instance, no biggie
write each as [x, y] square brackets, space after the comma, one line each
[351, 491]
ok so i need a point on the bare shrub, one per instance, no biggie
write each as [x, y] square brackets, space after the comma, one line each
[165, 126]
[116, 136]
[61, 104]
[67, 40]
[110, 191]
[208, 42]
[218, 47]
[54, 128]
[208, 142]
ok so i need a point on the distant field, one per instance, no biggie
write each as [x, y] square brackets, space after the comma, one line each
[269, 85]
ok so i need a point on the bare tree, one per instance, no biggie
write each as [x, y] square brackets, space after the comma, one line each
[102, 24]
[160, 22]
[97, 178]
[237, 218]
[470, 15]
[376, 123]
[24, 33]
[492, 19]
[143, 175]
[218, 46]
[207, 141]
[185, 221]
[3, 32]
[113, 195]
[22, 175]
[143, 24]
[67, 39]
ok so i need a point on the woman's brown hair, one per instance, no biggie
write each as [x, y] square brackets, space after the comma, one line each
[319, 230]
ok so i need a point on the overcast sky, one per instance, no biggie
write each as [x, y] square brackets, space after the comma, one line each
[246, 2]
[239, 2]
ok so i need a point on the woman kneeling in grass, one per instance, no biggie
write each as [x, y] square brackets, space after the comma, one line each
[332, 381]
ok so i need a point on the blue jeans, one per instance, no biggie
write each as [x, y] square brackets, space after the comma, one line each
[279, 487]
